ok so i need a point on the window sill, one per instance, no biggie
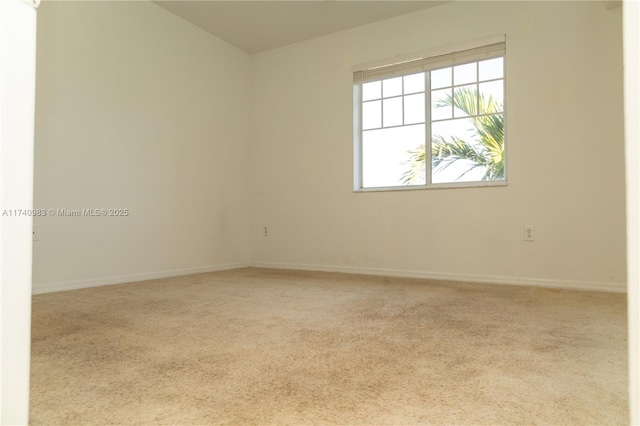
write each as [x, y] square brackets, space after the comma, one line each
[451, 185]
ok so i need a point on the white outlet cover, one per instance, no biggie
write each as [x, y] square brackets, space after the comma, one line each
[529, 233]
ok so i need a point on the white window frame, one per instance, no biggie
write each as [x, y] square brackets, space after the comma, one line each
[473, 51]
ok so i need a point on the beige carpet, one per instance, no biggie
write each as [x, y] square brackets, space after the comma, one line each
[255, 346]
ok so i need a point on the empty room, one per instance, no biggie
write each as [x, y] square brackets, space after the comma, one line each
[329, 212]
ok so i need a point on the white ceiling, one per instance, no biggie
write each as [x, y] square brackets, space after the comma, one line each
[256, 26]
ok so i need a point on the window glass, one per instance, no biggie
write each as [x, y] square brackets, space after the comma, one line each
[392, 87]
[463, 74]
[414, 83]
[441, 78]
[443, 126]
[371, 115]
[372, 90]
[392, 112]
[491, 69]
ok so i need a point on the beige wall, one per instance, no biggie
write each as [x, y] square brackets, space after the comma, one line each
[565, 154]
[141, 110]
[206, 145]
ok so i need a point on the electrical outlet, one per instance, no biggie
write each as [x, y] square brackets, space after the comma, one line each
[266, 232]
[529, 233]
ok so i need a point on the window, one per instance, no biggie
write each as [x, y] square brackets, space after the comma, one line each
[432, 122]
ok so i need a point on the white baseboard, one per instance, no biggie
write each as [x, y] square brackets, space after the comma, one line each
[123, 279]
[611, 287]
[484, 279]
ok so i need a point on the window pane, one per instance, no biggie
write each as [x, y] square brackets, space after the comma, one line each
[414, 83]
[463, 74]
[387, 157]
[371, 115]
[493, 68]
[466, 100]
[441, 78]
[372, 90]
[460, 107]
[441, 104]
[414, 109]
[450, 161]
[392, 112]
[492, 97]
[462, 128]
[463, 154]
[392, 87]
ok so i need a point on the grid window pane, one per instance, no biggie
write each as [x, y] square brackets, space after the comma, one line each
[465, 100]
[371, 115]
[441, 78]
[392, 109]
[441, 104]
[414, 83]
[372, 90]
[392, 87]
[464, 74]
[491, 69]
[414, 109]
[492, 96]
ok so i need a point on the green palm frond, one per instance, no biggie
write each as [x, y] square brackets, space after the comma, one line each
[416, 167]
[488, 154]
[445, 153]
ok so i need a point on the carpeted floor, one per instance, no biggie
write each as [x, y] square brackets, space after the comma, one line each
[255, 346]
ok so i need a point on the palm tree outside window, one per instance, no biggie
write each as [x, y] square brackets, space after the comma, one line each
[454, 113]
